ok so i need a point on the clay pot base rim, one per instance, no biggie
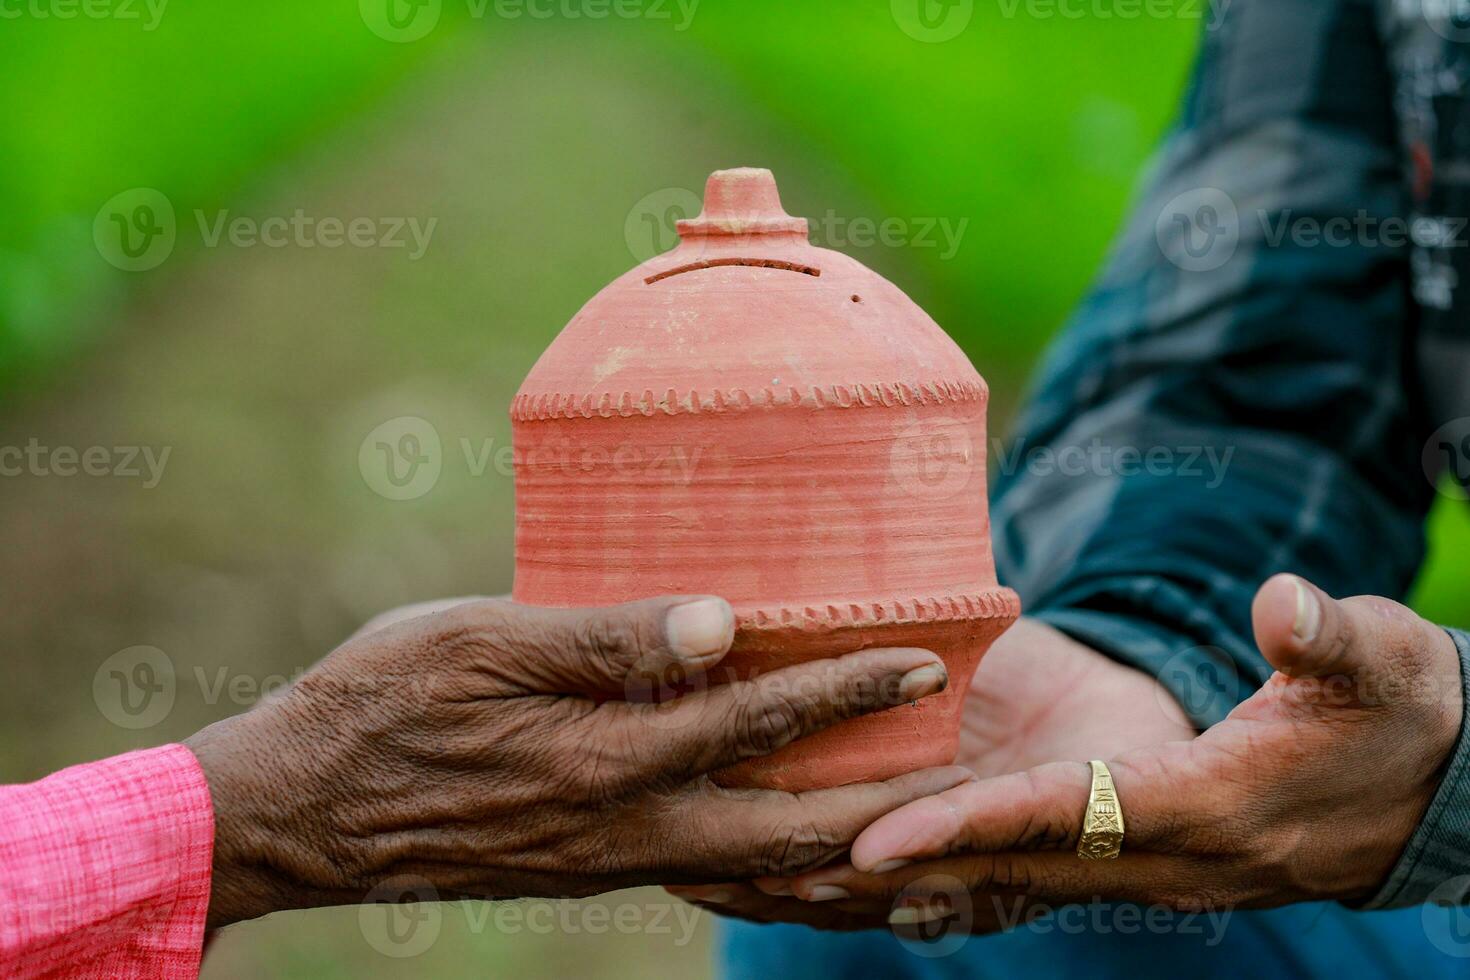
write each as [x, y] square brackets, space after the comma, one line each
[999, 603]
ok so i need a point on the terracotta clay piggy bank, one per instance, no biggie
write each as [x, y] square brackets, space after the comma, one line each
[753, 417]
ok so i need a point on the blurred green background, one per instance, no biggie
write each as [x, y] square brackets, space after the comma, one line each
[538, 146]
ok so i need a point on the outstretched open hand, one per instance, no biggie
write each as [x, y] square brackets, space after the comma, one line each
[1308, 791]
[1039, 696]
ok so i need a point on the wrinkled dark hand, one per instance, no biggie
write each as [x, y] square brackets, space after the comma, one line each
[498, 750]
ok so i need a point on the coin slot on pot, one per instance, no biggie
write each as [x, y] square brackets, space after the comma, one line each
[806, 270]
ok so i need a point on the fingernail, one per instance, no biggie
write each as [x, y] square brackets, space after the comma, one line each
[912, 915]
[922, 682]
[773, 886]
[717, 897]
[700, 628]
[1308, 614]
[827, 893]
[892, 864]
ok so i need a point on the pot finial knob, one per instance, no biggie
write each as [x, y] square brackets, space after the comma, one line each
[743, 201]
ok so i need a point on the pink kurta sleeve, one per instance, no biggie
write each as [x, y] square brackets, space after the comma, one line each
[105, 869]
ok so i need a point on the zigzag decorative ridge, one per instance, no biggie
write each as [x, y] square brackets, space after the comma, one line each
[999, 603]
[541, 408]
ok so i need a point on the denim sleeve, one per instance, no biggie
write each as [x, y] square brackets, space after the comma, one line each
[1435, 867]
[1233, 398]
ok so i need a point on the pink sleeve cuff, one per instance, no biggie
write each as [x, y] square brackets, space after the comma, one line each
[105, 869]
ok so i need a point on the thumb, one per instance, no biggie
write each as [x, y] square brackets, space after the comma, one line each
[640, 651]
[1302, 631]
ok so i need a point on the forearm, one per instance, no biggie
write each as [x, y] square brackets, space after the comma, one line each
[1273, 377]
[105, 868]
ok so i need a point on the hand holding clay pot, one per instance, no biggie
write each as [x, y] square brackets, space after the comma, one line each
[493, 750]
[757, 418]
